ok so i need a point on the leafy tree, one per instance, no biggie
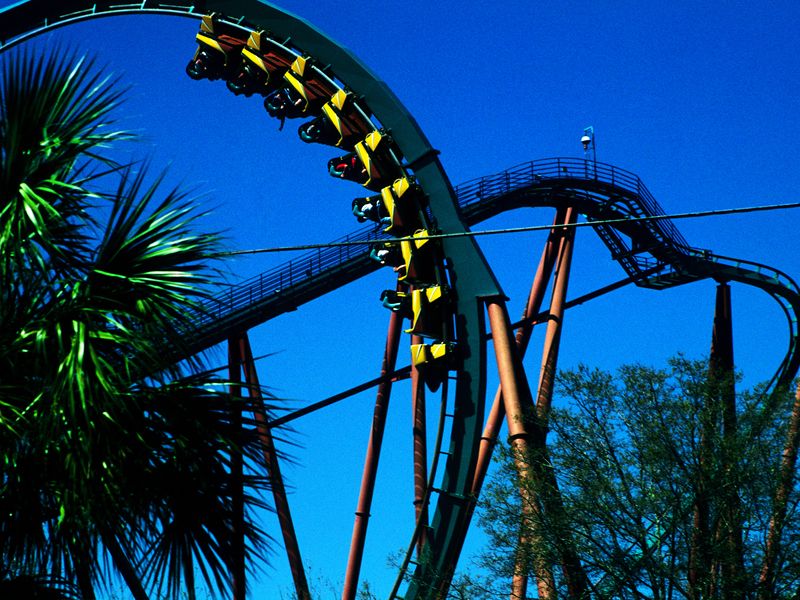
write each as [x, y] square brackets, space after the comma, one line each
[635, 455]
[116, 457]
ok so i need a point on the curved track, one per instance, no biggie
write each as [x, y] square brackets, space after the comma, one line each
[652, 253]
[613, 193]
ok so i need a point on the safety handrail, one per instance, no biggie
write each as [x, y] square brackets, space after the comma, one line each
[563, 169]
[279, 279]
[318, 262]
[324, 266]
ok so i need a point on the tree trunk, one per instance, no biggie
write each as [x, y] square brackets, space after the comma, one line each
[784, 488]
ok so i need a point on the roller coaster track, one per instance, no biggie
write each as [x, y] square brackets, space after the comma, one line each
[410, 155]
[652, 253]
[600, 191]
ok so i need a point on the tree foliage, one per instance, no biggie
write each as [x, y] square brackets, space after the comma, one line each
[116, 458]
[635, 454]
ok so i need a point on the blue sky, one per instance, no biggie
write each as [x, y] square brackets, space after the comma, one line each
[698, 99]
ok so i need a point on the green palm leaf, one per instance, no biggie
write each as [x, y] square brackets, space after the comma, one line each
[55, 115]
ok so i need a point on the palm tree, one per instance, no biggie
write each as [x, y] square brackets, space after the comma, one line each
[116, 463]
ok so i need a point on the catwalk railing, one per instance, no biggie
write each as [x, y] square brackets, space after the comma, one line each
[563, 170]
[321, 270]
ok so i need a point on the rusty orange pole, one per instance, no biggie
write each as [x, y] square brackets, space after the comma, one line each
[544, 397]
[531, 502]
[535, 299]
[574, 574]
[371, 461]
[780, 503]
[420, 450]
[518, 404]
[497, 412]
[274, 471]
[721, 371]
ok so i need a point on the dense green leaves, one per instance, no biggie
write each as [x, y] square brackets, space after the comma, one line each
[116, 459]
[661, 499]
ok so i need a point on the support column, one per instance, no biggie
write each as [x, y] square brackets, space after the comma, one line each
[780, 503]
[721, 371]
[549, 500]
[238, 580]
[371, 461]
[721, 368]
[555, 322]
[420, 451]
[518, 404]
[497, 412]
[722, 333]
[280, 498]
[523, 335]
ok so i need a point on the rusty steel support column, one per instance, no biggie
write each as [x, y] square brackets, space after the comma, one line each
[274, 472]
[420, 451]
[722, 333]
[238, 580]
[551, 502]
[544, 396]
[523, 335]
[550, 498]
[497, 412]
[518, 404]
[371, 461]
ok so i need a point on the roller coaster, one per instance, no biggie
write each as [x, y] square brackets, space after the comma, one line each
[444, 292]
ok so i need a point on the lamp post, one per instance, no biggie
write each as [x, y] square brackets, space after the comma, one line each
[588, 141]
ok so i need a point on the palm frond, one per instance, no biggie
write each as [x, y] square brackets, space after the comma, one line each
[152, 248]
[55, 114]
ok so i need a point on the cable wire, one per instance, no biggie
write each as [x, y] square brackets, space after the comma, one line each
[440, 236]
